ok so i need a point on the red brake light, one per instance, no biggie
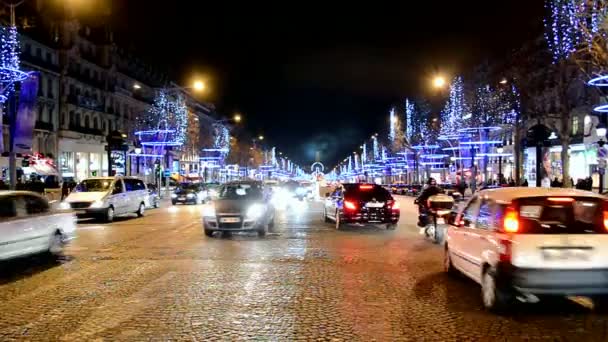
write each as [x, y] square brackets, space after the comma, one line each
[605, 219]
[561, 199]
[396, 206]
[511, 221]
[350, 205]
[366, 187]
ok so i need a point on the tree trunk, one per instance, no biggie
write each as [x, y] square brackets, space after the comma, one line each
[565, 162]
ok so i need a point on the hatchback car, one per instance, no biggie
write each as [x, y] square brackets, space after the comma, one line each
[189, 193]
[240, 206]
[30, 226]
[522, 243]
[361, 203]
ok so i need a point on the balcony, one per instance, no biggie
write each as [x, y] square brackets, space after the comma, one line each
[85, 102]
[44, 126]
[39, 62]
[85, 130]
[86, 79]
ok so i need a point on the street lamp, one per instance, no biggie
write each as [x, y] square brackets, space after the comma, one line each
[261, 137]
[600, 131]
[439, 82]
[500, 150]
[198, 85]
[237, 118]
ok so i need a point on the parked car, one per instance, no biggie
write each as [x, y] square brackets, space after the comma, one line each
[414, 190]
[398, 189]
[361, 203]
[522, 243]
[240, 206]
[189, 193]
[107, 197]
[30, 226]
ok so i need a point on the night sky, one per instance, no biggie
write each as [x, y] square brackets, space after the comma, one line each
[320, 76]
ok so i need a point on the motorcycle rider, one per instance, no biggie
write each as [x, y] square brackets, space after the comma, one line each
[430, 189]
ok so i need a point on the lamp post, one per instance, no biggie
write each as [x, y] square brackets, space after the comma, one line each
[500, 150]
[601, 154]
[137, 152]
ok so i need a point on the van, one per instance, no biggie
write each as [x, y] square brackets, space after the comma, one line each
[107, 197]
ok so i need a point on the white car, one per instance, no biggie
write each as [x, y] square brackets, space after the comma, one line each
[29, 226]
[525, 243]
[107, 197]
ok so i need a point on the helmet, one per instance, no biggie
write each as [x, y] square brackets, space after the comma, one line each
[431, 181]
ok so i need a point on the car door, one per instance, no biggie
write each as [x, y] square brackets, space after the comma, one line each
[119, 197]
[33, 215]
[11, 231]
[334, 202]
[463, 252]
[480, 237]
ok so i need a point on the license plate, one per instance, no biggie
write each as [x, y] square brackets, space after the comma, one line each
[230, 220]
[80, 211]
[553, 254]
[440, 220]
[181, 198]
[375, 205]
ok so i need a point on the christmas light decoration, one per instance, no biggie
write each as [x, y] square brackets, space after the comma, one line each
[393, 125]
[375, 148]
[10, 72]
[455, 109]
[409, 120]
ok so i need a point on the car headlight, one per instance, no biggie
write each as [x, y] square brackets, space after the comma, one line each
[97, 204]
[64, 205]
[209, 211]
[255, 211]
[173, 196]
[190, 195]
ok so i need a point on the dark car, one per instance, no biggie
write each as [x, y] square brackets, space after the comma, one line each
[240, 206]
[398, 189]
[188, 193]
[361, 203]
[414, 190]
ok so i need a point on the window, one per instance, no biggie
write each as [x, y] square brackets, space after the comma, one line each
[49, 57]
[77, 120]
[134, 184]
[86, 121]
[28, 49]
[469, 214]
[95, 123]
[117, 187]
[39, 112]
[484, 219]
[35, 205]
[39, 53]
[574, 125]
[7, 207]
[49, 88]
[140, 184]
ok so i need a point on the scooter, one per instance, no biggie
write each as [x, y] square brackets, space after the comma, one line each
[435, 217]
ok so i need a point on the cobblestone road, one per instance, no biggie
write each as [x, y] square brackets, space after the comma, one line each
[160, 278]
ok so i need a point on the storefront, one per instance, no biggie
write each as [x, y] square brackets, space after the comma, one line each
[81, 160]
[583, 163]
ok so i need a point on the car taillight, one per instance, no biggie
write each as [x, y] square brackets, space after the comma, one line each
[505, 250]
[392, 204]
[395, 206]
[511, 220]
[605, 216]
[350, 205]
[366, 187]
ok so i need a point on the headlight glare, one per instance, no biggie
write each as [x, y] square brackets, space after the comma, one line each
[64, 205]
[173, 196]
[190, 195]
[97, 204]
[255, 211]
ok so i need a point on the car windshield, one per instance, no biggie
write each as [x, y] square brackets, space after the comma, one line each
[240, 191]
[187, 187]
[93, 185]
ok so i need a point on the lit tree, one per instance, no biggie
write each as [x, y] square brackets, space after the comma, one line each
[456, 109]
[396, 135]
[417, 116]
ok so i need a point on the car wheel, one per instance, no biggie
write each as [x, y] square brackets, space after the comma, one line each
[391, 226]
[56, 244]
[109, 217]
[338, 221]
[156, 203]
[262, 231]
[448, 267]
[271, 224]
[493, 296]
[208, 233]
[140, 211]
[173, 202]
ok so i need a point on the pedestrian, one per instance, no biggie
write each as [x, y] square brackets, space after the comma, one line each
[65, 190]
[525, 182]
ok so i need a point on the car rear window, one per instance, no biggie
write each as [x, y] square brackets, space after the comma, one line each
[559, 215]
[363, 194]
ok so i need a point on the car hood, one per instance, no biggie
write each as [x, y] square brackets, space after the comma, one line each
[85, 196]
[234, 206]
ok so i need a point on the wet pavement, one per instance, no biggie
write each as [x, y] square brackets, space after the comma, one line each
[159, 278]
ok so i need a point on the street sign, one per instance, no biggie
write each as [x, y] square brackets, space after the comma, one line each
[167, 173]
[602, 152]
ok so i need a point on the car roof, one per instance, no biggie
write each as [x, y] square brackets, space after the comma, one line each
[510, 193]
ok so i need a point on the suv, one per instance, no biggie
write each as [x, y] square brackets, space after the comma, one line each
[361, 203]
[107, 197]
[520, 243]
